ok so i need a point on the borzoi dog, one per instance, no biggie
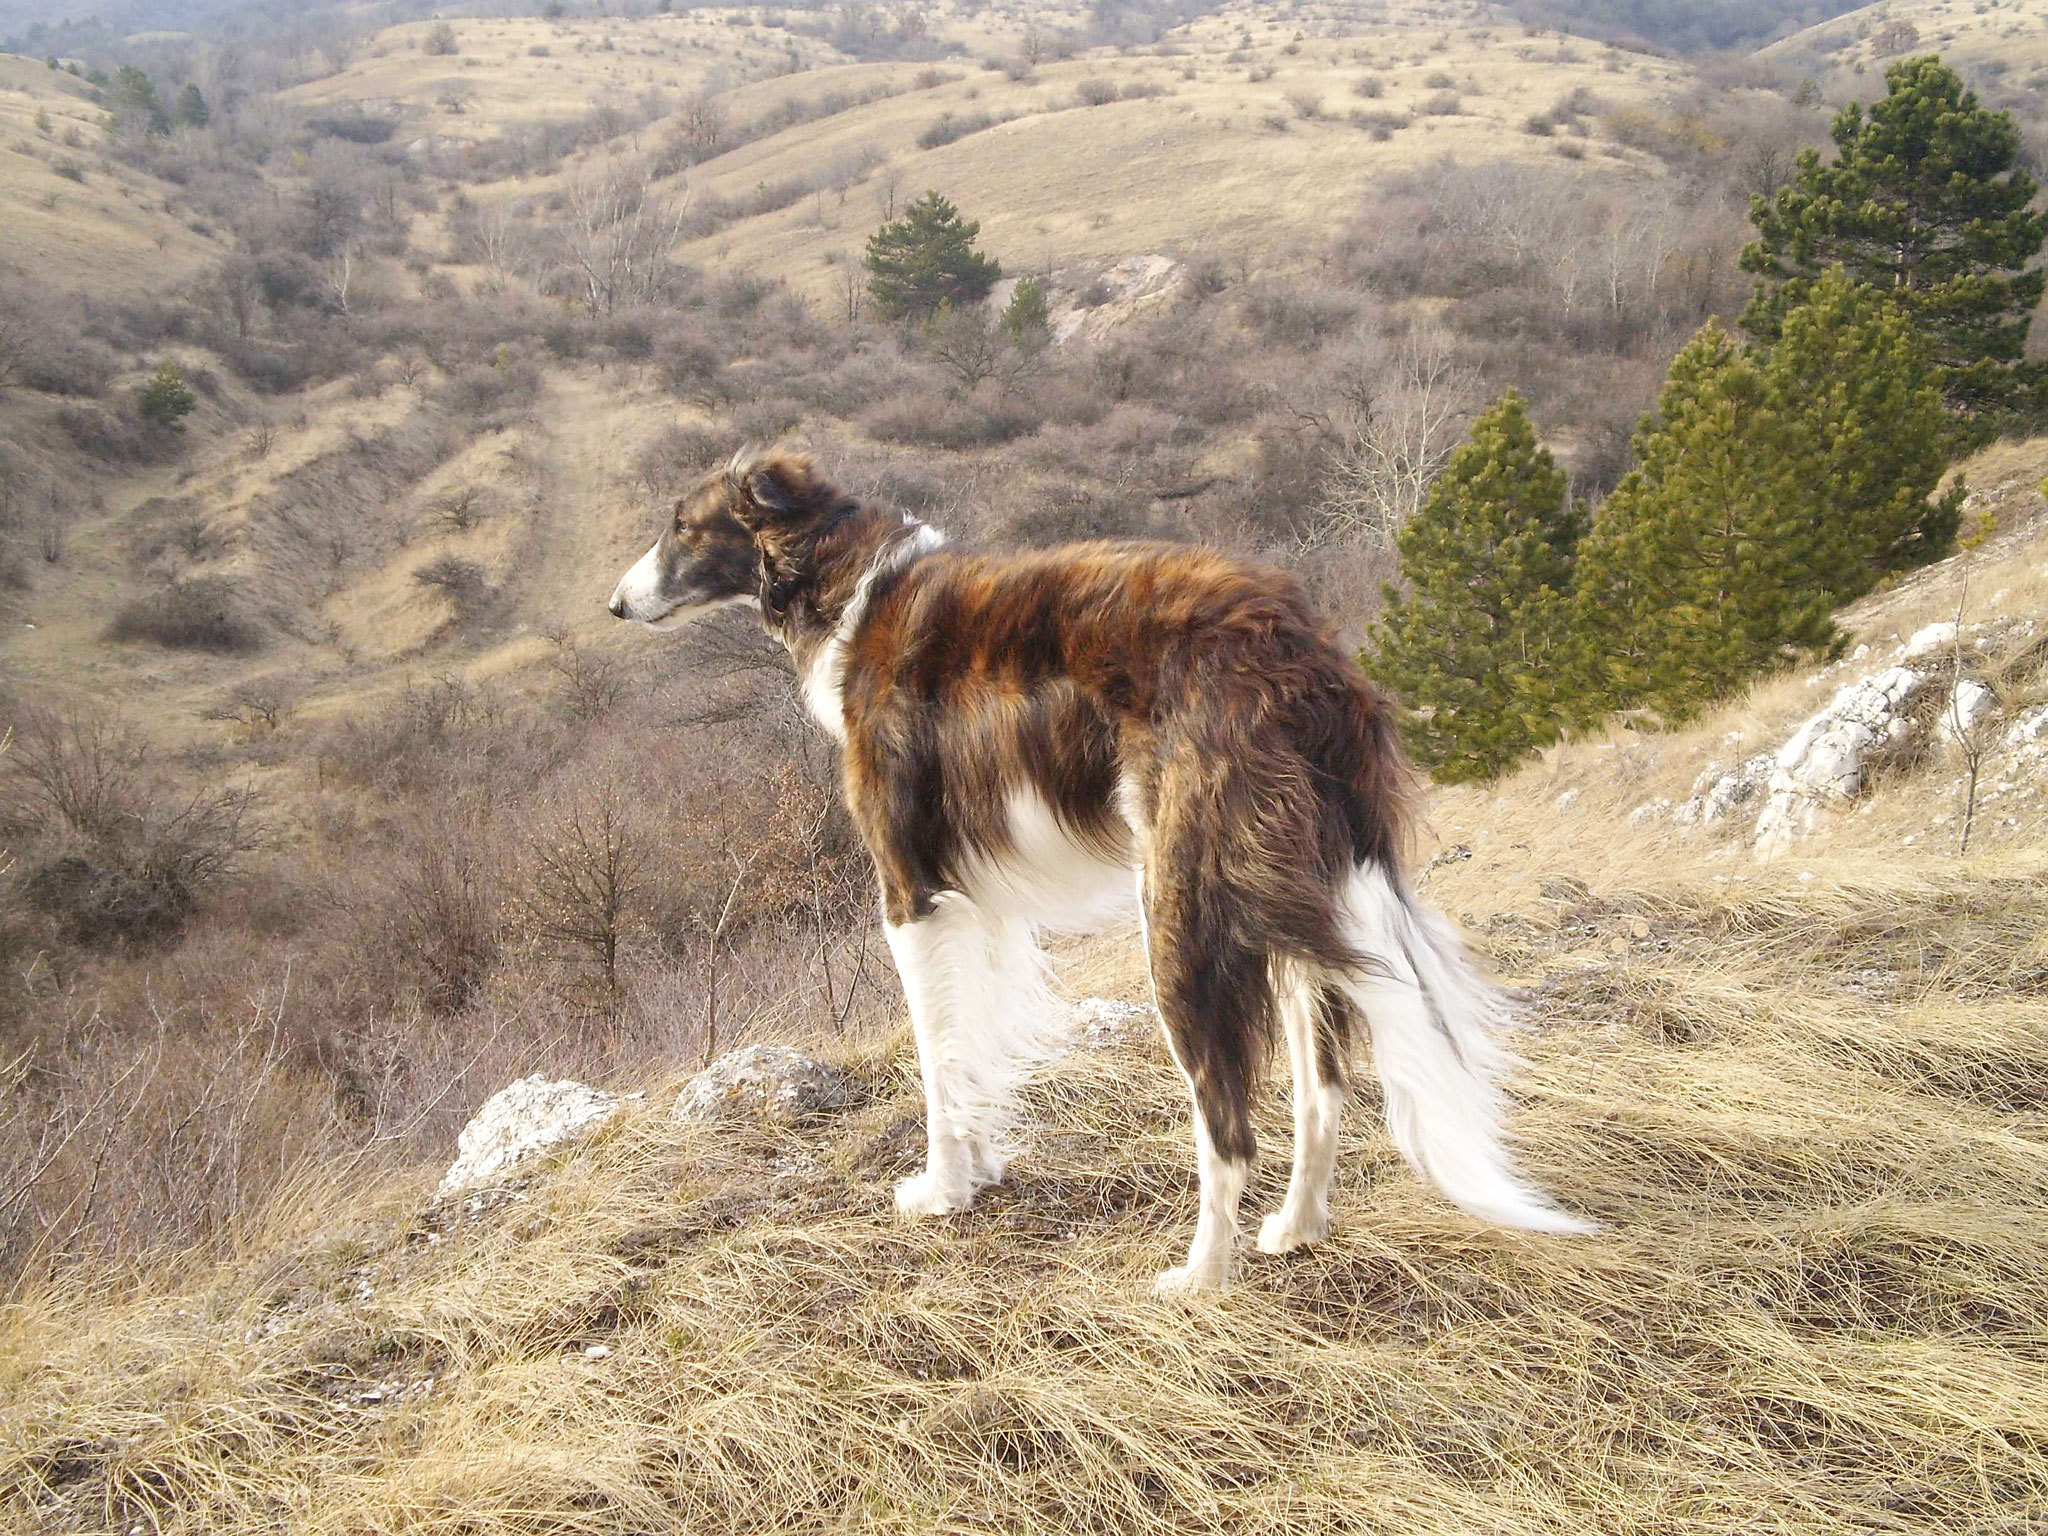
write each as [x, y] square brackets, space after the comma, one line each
[1050, 739]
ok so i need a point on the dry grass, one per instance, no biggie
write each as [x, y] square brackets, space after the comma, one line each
[113, 223]
[496, 79]
[1807, 1100]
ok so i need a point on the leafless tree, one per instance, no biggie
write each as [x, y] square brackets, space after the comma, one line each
[587, 867]
[340, 272]
[1391, 431]
[967, 343]
[701, 123]
[1969, 736]
[618, 237]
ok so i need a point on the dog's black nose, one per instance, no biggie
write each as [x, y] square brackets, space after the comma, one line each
[617, 606]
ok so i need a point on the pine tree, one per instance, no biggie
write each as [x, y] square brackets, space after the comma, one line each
[1853, 368]
[167, 399]
[1715, 558]
[135, 98]
[1475, 648]
[1027, 319]
[926, 259]
[1926, 202]
[190, 109]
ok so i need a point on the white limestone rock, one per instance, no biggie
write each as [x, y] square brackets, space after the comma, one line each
[775, 1082]
[1933, 639]
[1968, 707]
[1820, 768]
[534, 1115]
[1715, 794]
[1101, 1023]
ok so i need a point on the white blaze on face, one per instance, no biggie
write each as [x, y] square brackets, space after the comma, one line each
[638, 595]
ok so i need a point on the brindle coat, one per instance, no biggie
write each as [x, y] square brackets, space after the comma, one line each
[1018, 726]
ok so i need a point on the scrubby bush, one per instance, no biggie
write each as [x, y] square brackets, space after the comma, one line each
[672, 461]
[199, 613]
[983, 419]
[465, 583]
[950, 127]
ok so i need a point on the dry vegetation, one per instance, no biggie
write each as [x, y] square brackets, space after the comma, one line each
[1805, 1099]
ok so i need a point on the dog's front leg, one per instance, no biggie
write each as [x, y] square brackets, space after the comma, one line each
[945, 960]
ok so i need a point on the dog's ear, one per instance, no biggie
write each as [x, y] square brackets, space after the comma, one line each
[766, 488]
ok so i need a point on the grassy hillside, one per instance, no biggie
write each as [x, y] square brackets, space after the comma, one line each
[74, 215]
[315, 719]
[1994, 41]
[1803, 1097]
[526, 69]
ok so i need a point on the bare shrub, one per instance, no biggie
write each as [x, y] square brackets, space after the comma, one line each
[950, 127]
[258, 704]
[584, 866]
[465, 583]
[1442, 104]
[1381, 125]
[978, 420]
[459, 510]
[1308, 105]
[1371, 87]
[593, 679]
[440, 39]
[198, 613]
[112, 850]
[1095, 91]
[679, 456]
[440, 898]
[111, 438]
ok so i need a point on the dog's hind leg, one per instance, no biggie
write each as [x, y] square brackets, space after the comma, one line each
[983, 1018]
[1213, 1002]
[1314, 1019]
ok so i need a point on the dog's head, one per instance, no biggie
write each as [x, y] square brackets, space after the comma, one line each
[731, 540]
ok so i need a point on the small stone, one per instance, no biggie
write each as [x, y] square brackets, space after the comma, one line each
[1969, 706]
[597, 1352]
[776, 1082]
[532, 1115]
[1939, 636]
[1566, 801]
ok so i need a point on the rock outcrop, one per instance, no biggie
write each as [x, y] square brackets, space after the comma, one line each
[1820, 767]
[534, 1115]
[774, 1082]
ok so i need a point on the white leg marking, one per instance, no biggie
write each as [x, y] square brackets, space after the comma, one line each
[1304, 1216]
[1211, 1253]
[983, 1018]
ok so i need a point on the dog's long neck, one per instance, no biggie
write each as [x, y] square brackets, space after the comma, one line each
[845, 560]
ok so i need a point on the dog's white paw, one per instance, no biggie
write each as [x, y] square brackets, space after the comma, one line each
[924, 1195]
[986, 1164]
[1286, 1230]
[1184, 1282]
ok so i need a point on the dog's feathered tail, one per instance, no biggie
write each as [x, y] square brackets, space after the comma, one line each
[1435, 1041]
